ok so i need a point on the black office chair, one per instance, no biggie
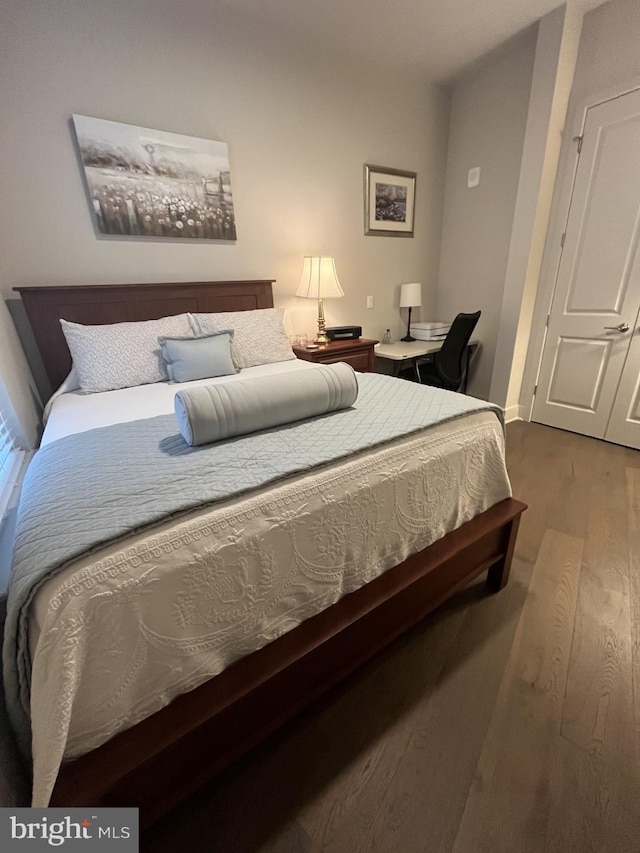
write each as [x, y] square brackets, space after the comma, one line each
[449, 366]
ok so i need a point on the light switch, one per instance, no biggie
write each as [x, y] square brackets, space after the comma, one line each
[369, 301]
[473, 178]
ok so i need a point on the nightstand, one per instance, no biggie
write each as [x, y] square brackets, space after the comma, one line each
[358, 353]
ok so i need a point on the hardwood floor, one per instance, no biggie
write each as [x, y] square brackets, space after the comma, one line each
[503, 723]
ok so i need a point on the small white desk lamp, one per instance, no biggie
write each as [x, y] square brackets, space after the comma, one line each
[410, 297]
[319, 280]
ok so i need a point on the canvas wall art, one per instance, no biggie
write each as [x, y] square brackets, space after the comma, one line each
[150, 183]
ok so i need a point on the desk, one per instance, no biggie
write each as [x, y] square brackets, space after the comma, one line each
[392, 358]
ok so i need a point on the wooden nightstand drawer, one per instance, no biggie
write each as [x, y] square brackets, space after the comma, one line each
[358, 353]
[358, 360]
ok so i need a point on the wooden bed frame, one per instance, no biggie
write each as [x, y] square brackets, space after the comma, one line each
[163, 759]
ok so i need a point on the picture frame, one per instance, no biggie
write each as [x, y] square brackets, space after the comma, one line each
[147, 183]
[389, 201]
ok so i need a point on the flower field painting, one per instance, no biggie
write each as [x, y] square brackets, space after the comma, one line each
[150, 183]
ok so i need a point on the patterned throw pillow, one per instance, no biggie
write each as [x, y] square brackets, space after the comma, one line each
[121, 355]
[259, 336]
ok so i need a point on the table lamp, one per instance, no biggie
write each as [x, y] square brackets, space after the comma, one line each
[319, 280]
[410, 297]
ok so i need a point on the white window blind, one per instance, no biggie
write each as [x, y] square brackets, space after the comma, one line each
[10, 455]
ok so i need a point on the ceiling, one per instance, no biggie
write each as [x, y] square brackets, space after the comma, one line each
[434, 38]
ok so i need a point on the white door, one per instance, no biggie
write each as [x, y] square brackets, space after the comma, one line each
[624, 423]
[588, 380]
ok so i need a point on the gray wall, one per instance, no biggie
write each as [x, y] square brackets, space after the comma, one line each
[299, 122]
[609, 54]
[488, 118]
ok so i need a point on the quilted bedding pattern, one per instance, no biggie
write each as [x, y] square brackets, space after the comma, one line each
[189, 478]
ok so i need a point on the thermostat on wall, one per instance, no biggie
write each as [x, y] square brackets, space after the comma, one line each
[473, 178]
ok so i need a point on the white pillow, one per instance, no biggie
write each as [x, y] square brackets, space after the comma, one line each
[259, 336]
[121, 355]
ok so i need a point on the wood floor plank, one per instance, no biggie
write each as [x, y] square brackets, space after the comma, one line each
[509, 802]
[557, 487]
[595, 805]
[382, 710]
[293, 839]
[422, 806]
[528, 482]
[252, 806]
[633, 518]
[598, 713]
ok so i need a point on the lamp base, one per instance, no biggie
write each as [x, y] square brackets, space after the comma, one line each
[322, 335]
[408, 337]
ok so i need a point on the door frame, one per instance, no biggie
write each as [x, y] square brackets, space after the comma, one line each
[560, 210]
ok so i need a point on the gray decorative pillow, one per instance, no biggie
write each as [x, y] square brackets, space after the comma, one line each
[121, 355]
[259, 336]
[198, 358]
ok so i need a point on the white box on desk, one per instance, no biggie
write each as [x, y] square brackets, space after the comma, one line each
[430, 331]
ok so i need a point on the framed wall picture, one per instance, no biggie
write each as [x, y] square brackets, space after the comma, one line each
[151, 183]
[389, 201]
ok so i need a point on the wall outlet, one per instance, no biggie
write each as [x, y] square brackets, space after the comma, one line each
[369, 301]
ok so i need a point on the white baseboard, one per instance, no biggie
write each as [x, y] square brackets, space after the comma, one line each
[513, 413]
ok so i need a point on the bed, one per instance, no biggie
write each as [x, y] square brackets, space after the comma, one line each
[169, 744]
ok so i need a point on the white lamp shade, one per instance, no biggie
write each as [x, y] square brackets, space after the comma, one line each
[410, 295]
[319, 279]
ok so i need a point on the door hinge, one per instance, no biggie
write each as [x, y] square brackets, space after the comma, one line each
[548, 318]
[562, 239]
[578, 139]
[535, 390]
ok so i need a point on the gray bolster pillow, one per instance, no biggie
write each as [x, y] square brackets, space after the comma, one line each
[215, 412]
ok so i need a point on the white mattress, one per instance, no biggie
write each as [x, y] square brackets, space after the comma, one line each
[77, 412]
[119, 634]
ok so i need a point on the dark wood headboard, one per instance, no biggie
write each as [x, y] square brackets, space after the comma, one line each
[117, 303]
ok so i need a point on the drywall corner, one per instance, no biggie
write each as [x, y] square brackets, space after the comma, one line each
[556, 56]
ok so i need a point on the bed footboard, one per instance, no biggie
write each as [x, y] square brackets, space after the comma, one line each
[163, 759]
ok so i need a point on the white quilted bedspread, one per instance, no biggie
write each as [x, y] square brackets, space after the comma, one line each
[120, 633]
